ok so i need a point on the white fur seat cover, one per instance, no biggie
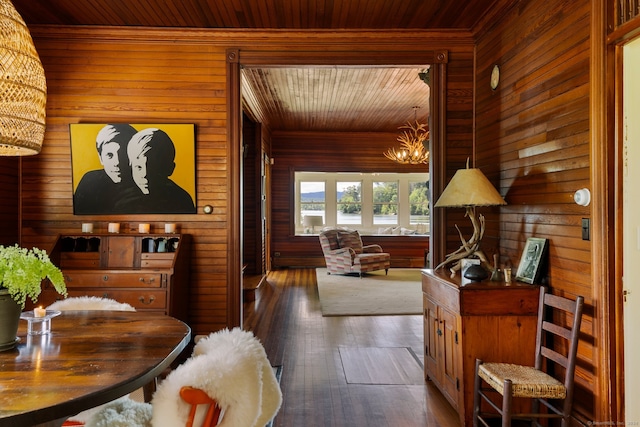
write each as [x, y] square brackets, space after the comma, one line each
[90, 303]
[232, 368]
[123, 412]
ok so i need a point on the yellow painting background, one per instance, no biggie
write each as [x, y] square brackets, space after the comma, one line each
[84, 155]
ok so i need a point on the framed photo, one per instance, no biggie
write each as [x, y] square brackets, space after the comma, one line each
[532, 260]
[123, 168]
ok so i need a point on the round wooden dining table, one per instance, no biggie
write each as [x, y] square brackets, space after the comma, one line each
[89, 358]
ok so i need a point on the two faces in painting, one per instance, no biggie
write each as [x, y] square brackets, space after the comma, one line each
[135, 174]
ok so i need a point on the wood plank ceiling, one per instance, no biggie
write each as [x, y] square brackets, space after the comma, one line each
[328, 99]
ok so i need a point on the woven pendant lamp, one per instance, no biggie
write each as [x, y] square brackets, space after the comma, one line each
[23, 88]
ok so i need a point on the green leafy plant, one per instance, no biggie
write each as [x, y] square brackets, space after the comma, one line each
[22, 271]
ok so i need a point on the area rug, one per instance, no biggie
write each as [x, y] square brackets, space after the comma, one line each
[381, 366]
[399, 292]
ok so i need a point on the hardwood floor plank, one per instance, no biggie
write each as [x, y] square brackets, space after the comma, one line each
[381, 366]
[287, 319]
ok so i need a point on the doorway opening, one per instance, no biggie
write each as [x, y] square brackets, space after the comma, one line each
[256, 59]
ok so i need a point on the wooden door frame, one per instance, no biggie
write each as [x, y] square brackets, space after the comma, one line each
[607, 224]
[237, 59]
[600, 213]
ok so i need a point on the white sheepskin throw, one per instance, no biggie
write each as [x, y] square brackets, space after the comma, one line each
[90, 303]
[123, 412]
[232, 368]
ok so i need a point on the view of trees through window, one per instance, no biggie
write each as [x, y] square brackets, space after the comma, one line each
[349, 196]
[419, 201]
[385, 202]
[373, 200]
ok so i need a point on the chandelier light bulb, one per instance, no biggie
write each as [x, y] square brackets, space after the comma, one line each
[412, 145]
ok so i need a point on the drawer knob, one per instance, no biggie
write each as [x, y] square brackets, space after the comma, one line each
[145, 302]
[105, 277]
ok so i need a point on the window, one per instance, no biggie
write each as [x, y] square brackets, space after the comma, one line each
[372, 203]
[385, 202]
[312, 200]
[349, 206]
[419, 202]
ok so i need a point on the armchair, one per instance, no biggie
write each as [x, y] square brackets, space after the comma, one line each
[344, 253]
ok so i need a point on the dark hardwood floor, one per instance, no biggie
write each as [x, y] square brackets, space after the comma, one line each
[316, 351]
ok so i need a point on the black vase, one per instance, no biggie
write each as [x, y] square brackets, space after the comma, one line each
[476, 273]
[9, 320]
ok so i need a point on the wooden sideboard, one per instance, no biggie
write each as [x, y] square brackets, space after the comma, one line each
[148, 271]
[493, 321]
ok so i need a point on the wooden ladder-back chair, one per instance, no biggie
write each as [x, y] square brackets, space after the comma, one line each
[195, 397]
[556, 346]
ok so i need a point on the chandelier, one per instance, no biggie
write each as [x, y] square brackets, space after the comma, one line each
[23, 88]
[412, 144]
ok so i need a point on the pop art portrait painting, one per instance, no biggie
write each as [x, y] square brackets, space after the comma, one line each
[121, 168]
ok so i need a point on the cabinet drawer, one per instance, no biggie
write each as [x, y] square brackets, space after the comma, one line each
[157, 260]
[441, 293]
[113, 279]
[137, 298]
[80, 260]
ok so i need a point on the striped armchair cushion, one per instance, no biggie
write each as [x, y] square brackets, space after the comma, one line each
[350, 239]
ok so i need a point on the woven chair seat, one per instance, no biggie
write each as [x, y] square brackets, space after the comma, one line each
[526, 381]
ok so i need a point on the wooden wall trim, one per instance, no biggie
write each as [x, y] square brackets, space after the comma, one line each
[438, 156]
[602, 216]
[10, 196]
[616, 261]
[405, 40]
[234, 171]
[319, 58]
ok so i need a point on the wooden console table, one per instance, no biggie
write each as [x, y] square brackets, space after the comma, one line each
[494, 321]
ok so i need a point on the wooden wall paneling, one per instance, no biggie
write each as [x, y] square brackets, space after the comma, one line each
[455, 125]
[139, 81]
[127, 74]
[329, 152]
[138, 75]
[532, 141]
[10, 196]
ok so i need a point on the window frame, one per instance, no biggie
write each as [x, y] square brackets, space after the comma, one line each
[366, 225]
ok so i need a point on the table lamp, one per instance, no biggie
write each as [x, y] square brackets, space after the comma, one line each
[467, 189]
[312, 221]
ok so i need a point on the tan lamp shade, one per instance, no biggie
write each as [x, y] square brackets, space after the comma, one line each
[311, 220]
[469, 187]
[23, 88]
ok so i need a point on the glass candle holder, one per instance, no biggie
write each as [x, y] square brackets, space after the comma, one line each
[39, 325]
